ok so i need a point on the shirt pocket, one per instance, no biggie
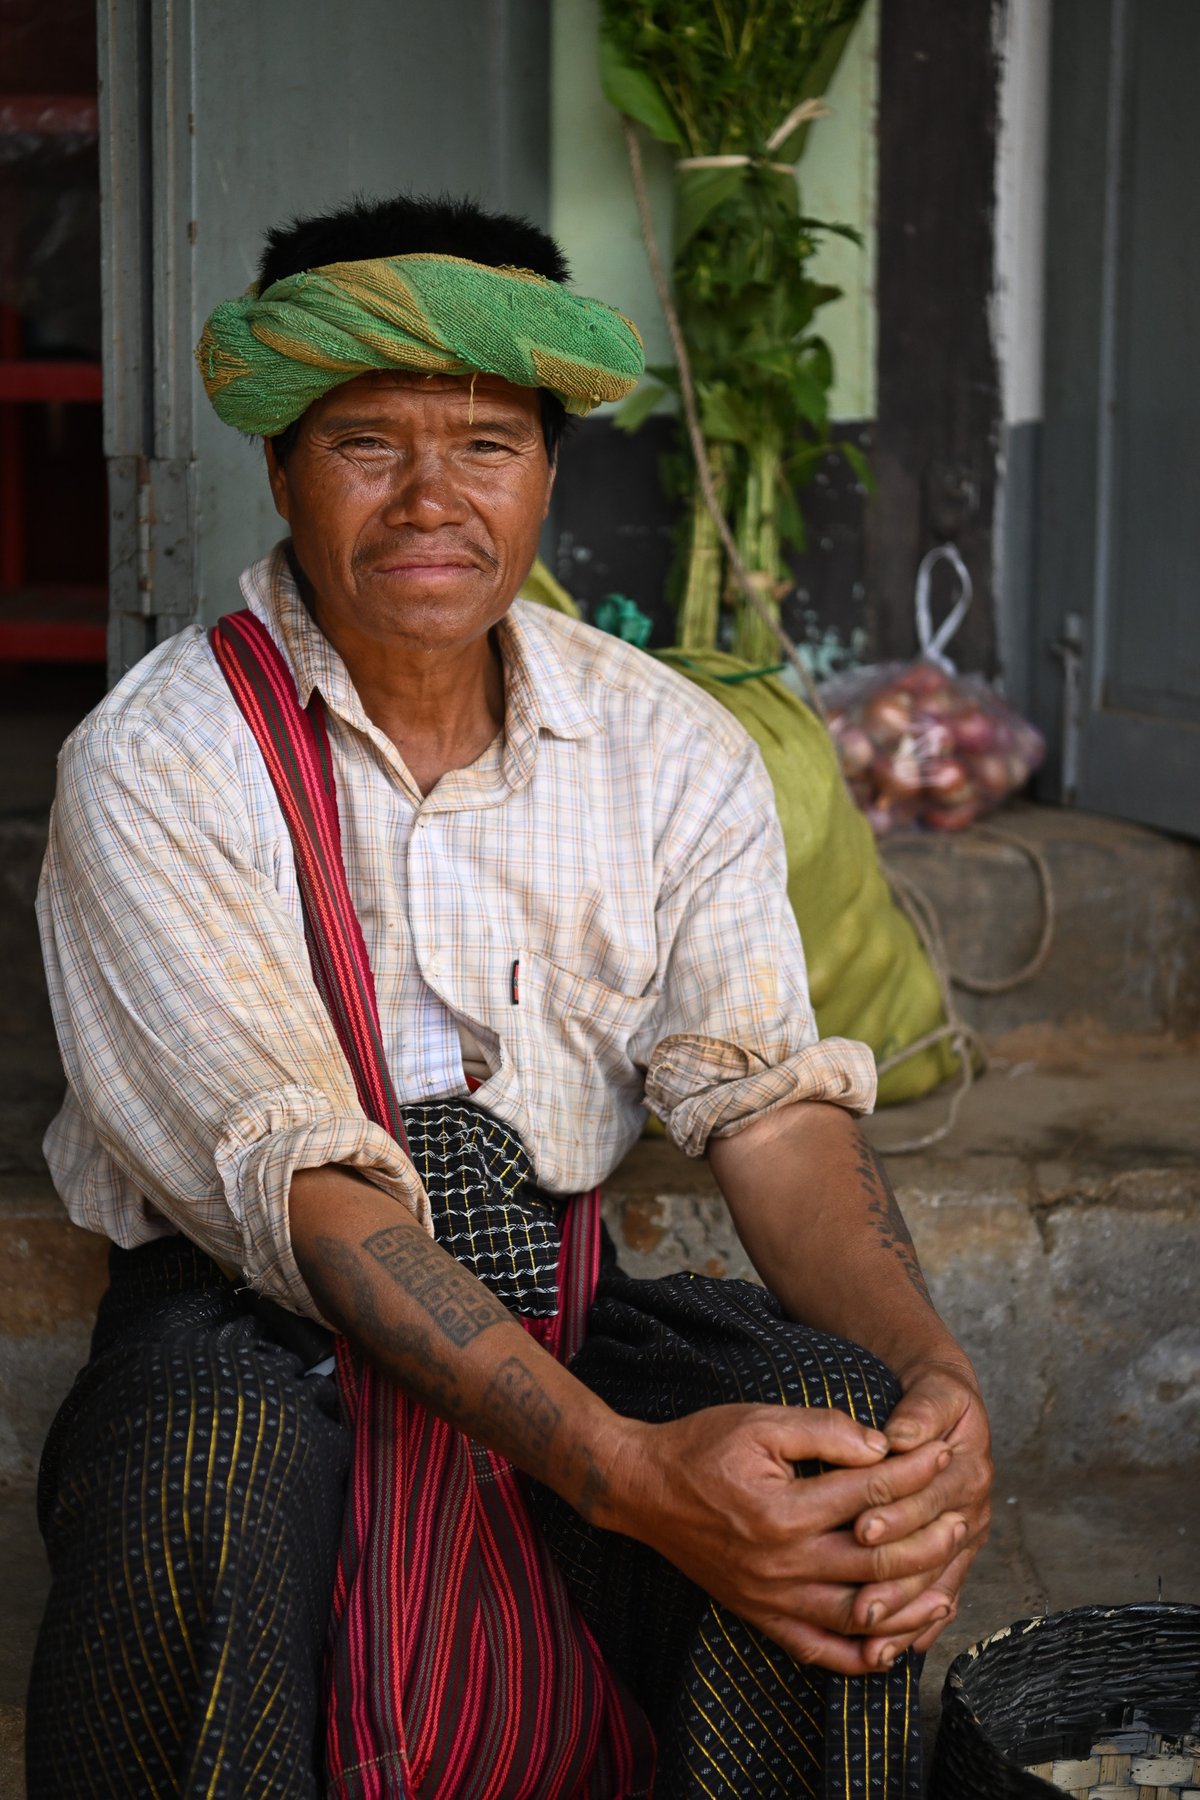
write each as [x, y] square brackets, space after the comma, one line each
[572, 1046]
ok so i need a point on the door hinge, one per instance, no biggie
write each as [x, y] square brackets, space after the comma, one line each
[1069, 649]
[151, 574]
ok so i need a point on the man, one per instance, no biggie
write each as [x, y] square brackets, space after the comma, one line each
[371, 927]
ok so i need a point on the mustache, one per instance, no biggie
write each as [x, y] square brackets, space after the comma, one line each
[410, 543]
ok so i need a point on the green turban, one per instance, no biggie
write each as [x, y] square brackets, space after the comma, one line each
[265, 358]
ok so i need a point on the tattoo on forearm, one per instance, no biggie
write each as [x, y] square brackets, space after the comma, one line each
[410, 1353]
[514, 1415]
[883, 1209]
[516, 1408]
[456, 1303]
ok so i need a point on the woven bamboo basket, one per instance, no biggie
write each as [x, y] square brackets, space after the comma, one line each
[1102, 1703]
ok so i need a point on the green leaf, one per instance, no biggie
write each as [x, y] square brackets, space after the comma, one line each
[809, 398]
[835, 228]
[637, 407]
[789, 519]
[820, 362]
[633, 92]
[727, 416]
[803, 463]
[858, 463]
[822, 294]
[699, 193]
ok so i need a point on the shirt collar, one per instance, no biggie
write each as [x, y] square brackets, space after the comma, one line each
[542, 690]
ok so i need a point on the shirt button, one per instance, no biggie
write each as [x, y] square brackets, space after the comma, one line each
[433, 965]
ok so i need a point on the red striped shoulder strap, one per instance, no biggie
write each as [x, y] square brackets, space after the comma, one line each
[295, 746]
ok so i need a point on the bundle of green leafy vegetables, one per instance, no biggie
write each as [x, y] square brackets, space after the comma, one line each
[723, 79]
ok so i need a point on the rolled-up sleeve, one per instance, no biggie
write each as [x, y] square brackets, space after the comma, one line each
[735, 1033]
[200, 1058]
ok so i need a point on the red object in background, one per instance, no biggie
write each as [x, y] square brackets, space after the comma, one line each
[53, 501]
[49, 381]
[40, 621]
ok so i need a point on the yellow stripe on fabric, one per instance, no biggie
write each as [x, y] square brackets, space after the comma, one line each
[168, 1557]
[214, 1694]
[757, 1717]
[734, 1757]
[378, 287]
[127, 1572]
[151, 1586]
[867, 1392]
[130, 1587]
[254, 1627]
[266, 1713]
[219, 365]
[416, 356]
[753, 1674]
[249, 1498]
[186, 1509]
[699, 1778]
[907, 1699]
[764, 1651]
[887, 1742]
[303, 350]
[101, 1764]
[568, 377]
[866, 1727]
[278, 1485]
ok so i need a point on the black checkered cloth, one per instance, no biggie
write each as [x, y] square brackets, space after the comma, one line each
[487, 1209]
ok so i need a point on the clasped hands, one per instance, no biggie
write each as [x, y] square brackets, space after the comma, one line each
[847, 1568]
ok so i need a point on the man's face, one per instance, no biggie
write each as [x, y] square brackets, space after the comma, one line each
[415, 504]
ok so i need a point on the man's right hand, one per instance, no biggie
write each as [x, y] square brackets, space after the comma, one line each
[716, 1494]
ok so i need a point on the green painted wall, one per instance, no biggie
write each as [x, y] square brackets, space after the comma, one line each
[593, 215]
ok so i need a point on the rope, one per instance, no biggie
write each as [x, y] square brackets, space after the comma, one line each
[911, 899]
[915, 903]
[964, 1039]
[1002, 984]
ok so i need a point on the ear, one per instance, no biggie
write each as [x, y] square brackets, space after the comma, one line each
[277, 476]
[550, 480]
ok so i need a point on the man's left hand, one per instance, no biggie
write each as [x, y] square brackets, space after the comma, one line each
[940, 1400]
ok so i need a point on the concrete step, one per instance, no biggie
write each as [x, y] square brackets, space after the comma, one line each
[1126, 947]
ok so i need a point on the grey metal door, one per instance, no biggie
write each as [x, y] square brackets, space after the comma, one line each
[1119, 589]
[218, 119]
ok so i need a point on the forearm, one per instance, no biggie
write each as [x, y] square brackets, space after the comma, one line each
[816, 1212]
[446, 1341]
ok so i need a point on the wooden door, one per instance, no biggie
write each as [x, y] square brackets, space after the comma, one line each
[1118, 607]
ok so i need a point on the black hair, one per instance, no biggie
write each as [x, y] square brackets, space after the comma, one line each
[412, 224]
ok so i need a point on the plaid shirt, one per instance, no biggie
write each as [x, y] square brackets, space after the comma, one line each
[599, 900]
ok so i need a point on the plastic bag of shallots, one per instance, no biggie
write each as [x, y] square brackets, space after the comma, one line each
[920, 744]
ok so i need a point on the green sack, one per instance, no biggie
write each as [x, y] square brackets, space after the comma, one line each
[868, 975]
